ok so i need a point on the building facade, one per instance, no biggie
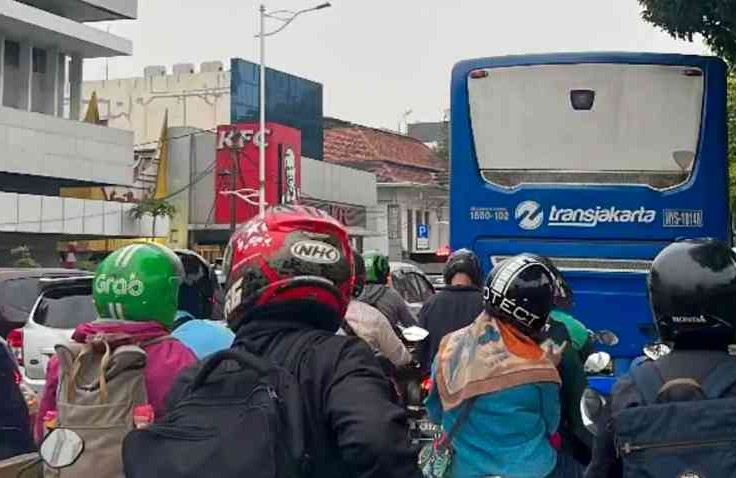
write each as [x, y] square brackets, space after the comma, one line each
[44, 146]
[198, 103]
[411, 218]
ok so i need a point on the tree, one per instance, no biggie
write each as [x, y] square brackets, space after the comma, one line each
[155, 208]
[24, 257]
[715, 20]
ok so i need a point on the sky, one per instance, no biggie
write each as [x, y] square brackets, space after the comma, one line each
[378, 59]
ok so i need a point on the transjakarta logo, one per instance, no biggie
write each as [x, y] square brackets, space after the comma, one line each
[531, 216]
[315, 251]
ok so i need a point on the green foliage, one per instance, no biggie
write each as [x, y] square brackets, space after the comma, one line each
[715, 20]
[24, 259]
[155, 208]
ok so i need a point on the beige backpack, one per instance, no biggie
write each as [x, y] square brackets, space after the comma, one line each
[98, 389]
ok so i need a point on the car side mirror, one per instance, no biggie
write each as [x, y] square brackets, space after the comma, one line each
[597, 362]
[414, 333]
[61, 448]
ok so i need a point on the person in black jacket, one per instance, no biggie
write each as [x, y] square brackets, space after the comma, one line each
[291, 274]
[15, 424]
[454, 307]
[692, 291]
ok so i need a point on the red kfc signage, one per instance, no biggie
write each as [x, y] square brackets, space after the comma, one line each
[283, 167]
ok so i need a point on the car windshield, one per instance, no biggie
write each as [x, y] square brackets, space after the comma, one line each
[65, 308]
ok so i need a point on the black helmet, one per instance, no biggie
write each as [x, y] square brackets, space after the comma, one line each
[465, 261]
[692, 291]
[563, 292]
[520, 291]
[359, 274]
[198, 287]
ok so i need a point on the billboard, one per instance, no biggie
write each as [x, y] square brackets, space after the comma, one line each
[283, 167]
[290, 100]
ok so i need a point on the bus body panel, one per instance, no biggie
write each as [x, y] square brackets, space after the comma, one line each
[627, 223]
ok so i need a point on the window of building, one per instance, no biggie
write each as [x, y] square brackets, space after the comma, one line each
[39, 60]
[12, 53]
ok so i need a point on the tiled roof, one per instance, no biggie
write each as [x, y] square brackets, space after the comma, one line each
[392, 157]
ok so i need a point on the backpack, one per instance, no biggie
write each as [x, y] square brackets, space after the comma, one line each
[670, 436]
[235, 415]
[99, 386]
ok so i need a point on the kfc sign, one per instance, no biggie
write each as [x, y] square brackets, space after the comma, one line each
[233, 137]
[283, 167]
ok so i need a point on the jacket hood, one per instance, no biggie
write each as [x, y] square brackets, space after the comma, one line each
[118, 329]
[266, 324]
[372, 292]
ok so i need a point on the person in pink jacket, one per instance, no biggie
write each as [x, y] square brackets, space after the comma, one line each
[135, 291]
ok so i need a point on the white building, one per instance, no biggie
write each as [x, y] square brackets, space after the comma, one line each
[43, 145]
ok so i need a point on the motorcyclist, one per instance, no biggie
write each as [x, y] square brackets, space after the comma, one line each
[289, 275]
[692, 292]
[371, 325]
[378, 294]
[15, 436]
[455, 306]
[499, 380]
[135, 291]
[564, 329]
[196, 296]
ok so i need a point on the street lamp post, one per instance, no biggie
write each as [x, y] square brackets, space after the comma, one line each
[285, 17]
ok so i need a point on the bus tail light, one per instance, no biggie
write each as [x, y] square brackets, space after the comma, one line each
[478, 74]
[15, 342]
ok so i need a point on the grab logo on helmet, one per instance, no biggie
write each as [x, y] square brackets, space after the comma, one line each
[120, 286]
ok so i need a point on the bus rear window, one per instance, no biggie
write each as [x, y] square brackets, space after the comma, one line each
[586, 123]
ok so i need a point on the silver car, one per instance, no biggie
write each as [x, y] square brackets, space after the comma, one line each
[62, 305]
[412, 284]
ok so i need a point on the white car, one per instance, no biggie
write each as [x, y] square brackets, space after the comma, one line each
[61, 306]
[412, 284]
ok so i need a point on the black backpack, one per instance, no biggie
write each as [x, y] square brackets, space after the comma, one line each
[682, 428]
[235, 415]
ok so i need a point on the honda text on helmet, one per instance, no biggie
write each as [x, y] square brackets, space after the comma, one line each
[377, 267]
[139, 282]
[520, 291]
[463, 261]
[293, 253]
[692, 291]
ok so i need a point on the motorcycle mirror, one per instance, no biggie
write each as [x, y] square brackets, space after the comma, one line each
[606, 337]
[61, 448]
[591, 408]
[597, 362]
[414, 333]
[656, 351]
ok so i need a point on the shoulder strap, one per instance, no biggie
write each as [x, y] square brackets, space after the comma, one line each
[648, 382]
[461, 419]
[720, 379]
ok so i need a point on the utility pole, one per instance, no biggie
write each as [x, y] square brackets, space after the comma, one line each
[234, 176]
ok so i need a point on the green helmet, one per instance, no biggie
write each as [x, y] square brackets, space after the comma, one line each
[377, 268]
[139, 282]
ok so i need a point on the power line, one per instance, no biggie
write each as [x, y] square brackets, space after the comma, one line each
[193, 133]
[206, 172]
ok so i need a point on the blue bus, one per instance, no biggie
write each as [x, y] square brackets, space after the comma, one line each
[596, 160]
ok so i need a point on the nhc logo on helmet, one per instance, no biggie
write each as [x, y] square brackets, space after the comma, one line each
[529, 214]
[315, 251]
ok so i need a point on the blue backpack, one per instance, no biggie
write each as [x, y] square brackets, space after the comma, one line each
[679, 437]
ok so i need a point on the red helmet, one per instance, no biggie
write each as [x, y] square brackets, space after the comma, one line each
[293, 253]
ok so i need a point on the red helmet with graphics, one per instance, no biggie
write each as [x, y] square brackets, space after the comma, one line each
[292, 254]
